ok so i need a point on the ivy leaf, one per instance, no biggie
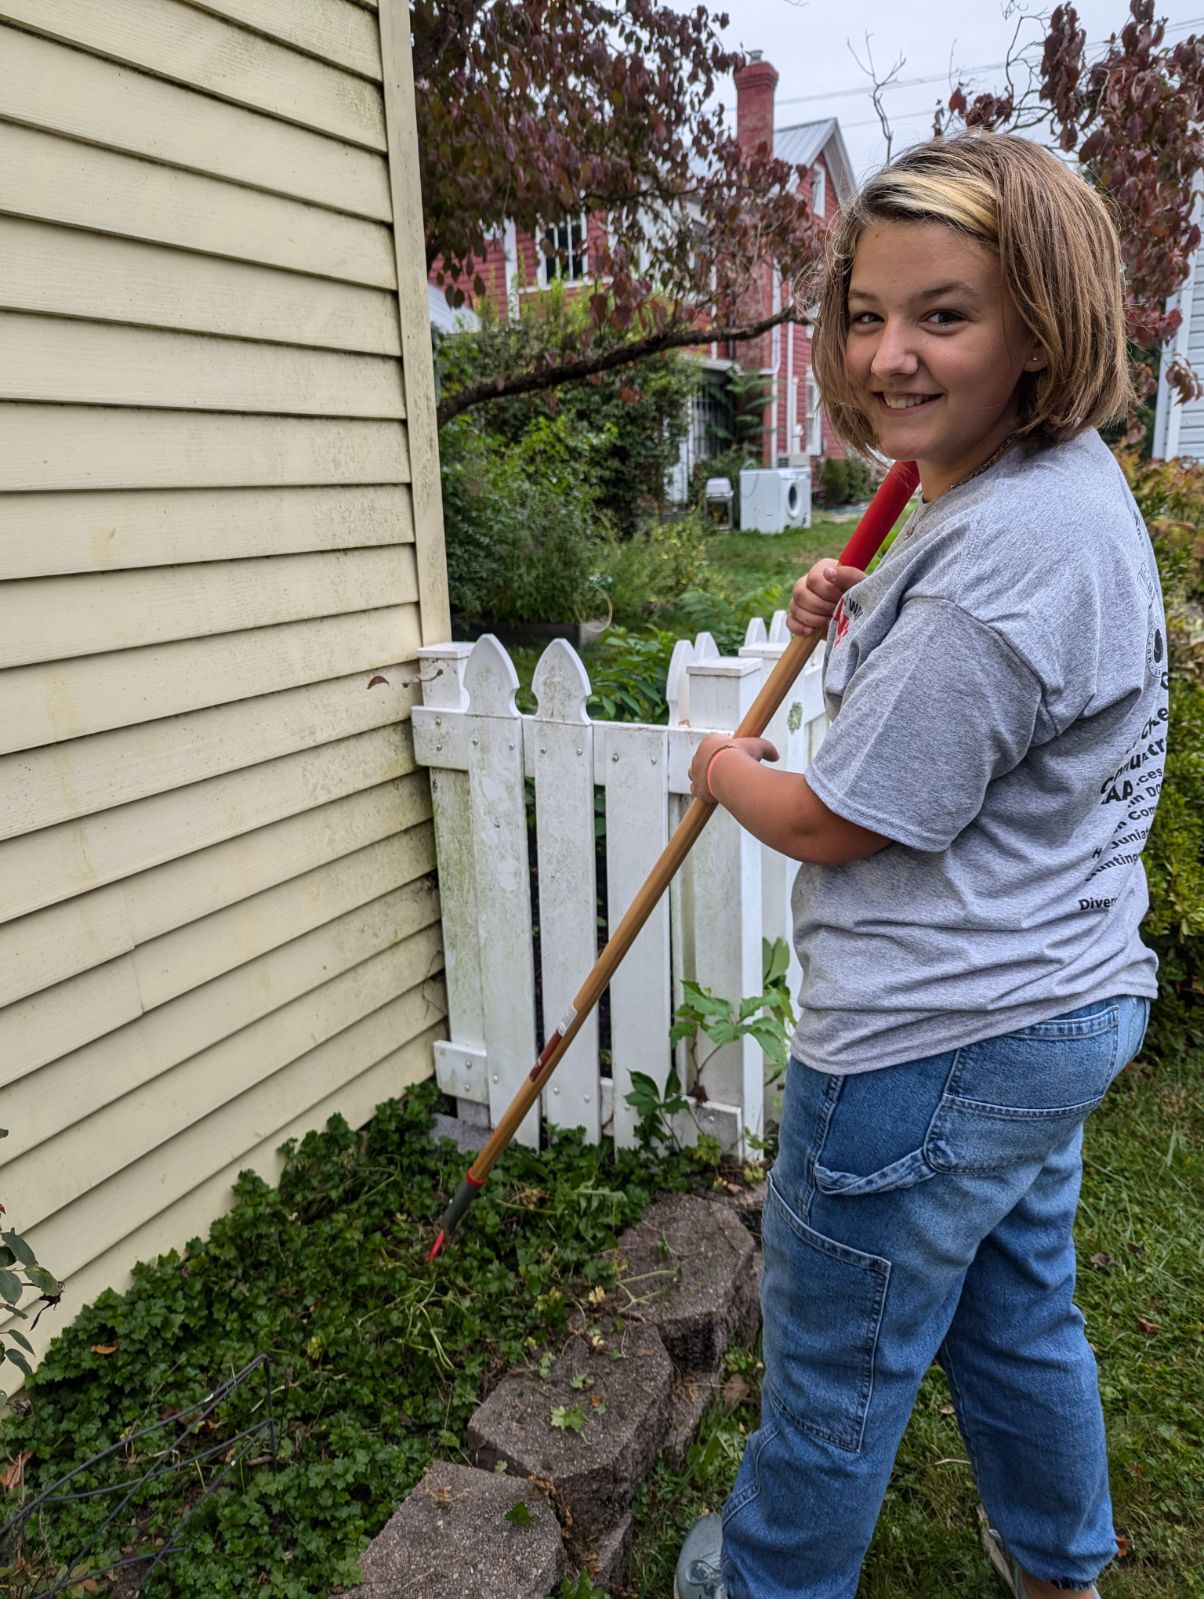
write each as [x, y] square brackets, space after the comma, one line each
[569, 1418]
[519, 1515]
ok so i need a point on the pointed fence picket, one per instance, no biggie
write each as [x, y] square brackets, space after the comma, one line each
[484, 758]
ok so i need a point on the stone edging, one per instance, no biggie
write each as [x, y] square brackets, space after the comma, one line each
[632, 1380]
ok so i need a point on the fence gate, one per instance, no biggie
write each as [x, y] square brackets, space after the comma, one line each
[522, 872]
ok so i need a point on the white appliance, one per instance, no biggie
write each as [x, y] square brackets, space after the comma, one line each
[773, 499]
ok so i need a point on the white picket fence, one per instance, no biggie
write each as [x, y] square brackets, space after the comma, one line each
[731, 893]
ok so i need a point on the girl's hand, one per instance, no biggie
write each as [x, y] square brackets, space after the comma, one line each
[815, 597]
[759, 748]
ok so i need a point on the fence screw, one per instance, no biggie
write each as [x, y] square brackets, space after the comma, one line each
[615, 756]
[438, 721]
[475, 739]
[579, 749]
[495, 1077]
[654, 760]
[586, 1098]
[555, 1088]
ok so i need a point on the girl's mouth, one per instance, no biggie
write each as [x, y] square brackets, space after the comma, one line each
[906, 402]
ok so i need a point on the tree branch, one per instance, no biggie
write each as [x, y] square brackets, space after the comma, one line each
[585, 366]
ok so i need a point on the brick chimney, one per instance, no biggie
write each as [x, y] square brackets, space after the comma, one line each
[755, 83]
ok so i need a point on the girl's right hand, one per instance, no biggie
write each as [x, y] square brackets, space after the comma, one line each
[815, 597]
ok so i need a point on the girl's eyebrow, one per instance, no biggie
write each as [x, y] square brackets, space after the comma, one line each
[939, 292]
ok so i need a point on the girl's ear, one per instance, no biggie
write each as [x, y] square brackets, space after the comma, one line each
[1037, 361]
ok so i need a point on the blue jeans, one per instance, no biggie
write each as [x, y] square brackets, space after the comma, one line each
[916, 1213]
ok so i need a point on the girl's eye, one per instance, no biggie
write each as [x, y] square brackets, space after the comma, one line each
[945, 319]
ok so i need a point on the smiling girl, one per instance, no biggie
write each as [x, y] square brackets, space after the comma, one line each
[968, 906]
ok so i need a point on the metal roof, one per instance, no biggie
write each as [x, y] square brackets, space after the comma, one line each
[801, 144]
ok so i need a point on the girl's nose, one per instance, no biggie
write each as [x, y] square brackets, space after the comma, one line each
[894, 353]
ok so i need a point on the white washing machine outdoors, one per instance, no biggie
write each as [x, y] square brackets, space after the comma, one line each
[775, 499]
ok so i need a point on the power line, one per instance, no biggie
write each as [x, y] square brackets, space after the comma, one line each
[943, 77]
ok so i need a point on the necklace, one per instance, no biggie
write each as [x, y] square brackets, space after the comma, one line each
[984, 466]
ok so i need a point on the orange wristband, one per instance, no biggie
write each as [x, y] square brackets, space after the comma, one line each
[706, 776]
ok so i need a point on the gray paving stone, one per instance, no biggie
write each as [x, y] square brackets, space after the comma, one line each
[625, 1391]
[450, 1540]
[688, 1269]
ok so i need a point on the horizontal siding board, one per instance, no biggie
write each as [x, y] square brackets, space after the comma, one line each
[60, 360]
[337, 31]
[43, 1105]
[45, 535]
[52, 179]
[57, 618]
[190, 1216]
[42, 787]
[184, 45]
[50, 945]
[59, 272]
[82, 1229]
[58, 1020]
[76, 857]
[71, 699]
[94, 447]
[98, 102]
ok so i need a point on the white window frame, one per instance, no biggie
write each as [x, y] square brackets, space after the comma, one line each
[815, 418]
[570, 261]
[819, 190]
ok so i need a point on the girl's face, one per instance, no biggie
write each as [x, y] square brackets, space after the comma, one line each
[936, 348]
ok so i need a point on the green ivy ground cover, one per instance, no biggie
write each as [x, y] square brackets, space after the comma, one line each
[378, 1359]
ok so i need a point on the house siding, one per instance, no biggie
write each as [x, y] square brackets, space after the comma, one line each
[219, 522]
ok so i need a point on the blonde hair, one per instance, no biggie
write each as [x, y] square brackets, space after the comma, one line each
[1060, 260]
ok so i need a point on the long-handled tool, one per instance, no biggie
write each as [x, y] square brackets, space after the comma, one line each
[880, 516]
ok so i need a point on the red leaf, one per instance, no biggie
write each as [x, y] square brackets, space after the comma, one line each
[1148, 1326]
[372, 682]
[103, 1349]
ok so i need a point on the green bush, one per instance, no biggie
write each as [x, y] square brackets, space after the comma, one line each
[626, 426]
[524, 536]
[1171, 497]
[832, 484]
[860, 481]
[644, 573]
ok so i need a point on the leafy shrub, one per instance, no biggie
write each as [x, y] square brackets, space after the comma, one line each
[626, 425]
[832, 485]
[1171, 497]
[628, 674]
[523, 532]
[650, 569]
[860, 480]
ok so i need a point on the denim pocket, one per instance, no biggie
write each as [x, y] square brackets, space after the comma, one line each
[1019, 1097]
[822, 1306]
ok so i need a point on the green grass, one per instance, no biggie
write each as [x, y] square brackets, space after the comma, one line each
[1140, 1263]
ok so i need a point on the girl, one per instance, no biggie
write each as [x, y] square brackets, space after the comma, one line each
[968, 906]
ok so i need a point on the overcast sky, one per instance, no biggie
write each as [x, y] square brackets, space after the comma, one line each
[809, 45]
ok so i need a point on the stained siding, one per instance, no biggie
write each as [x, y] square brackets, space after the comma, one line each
[219, 523]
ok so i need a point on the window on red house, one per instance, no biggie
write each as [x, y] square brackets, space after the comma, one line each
[564, 251]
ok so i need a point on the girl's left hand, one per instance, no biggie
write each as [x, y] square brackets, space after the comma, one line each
[759, 748]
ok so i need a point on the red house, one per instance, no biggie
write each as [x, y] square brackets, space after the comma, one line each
[796, 431]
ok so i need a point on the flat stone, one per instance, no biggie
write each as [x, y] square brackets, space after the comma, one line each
[688, 1269]
[623, 1390]
[606, 1559]
[450, 1540]
[467, 1136]
[691, 1395]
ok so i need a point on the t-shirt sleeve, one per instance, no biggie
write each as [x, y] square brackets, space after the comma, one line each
[940, 708]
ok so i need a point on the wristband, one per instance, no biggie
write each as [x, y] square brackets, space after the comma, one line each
[706, 776]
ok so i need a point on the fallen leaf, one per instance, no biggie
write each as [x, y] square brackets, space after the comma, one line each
[735, 1391]
[14, 1477]
[104, 1349]
[1136, 1249]
[596, 1295]
[1148, 1326]
[948, 1410]
[1123, 1547]
[372, 682]
[1103, 1261]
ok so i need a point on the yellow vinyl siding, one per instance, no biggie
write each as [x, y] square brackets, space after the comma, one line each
[219, 525]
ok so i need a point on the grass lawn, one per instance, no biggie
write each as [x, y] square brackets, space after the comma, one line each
[1141, 1287]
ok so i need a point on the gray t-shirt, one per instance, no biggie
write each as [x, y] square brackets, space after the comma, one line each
[998, 689]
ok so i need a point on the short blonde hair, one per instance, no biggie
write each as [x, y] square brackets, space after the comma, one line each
[1060, 259]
